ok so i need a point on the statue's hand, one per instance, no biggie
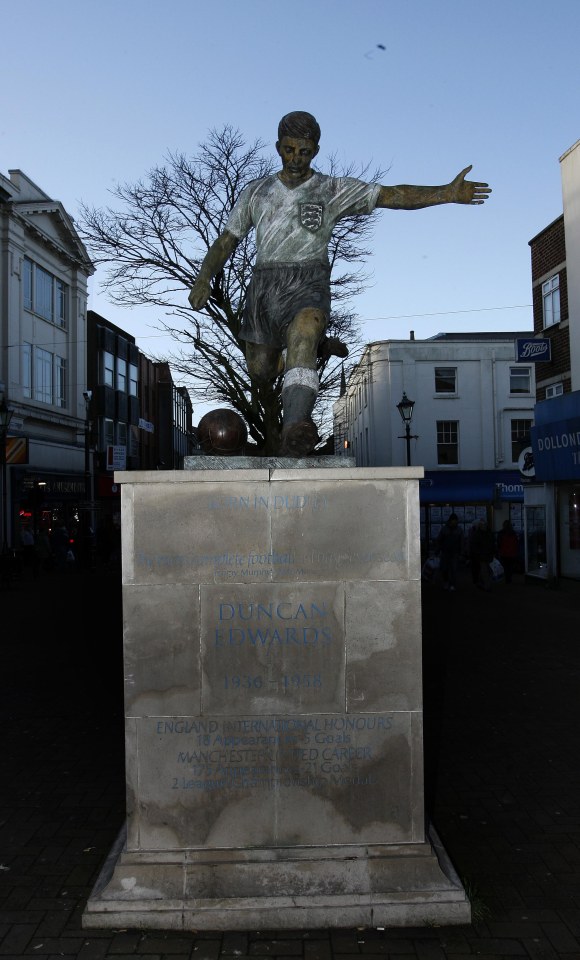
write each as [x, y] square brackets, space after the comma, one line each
[199, 294]
[467, 191]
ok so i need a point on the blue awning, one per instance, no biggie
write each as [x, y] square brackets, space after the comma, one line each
[471, 486]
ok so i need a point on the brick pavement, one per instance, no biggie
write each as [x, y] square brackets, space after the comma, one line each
[502, 707]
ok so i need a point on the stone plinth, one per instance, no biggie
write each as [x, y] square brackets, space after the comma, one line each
[274, 747]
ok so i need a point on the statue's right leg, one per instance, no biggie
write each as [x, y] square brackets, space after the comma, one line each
[300, 386]
[263, 362]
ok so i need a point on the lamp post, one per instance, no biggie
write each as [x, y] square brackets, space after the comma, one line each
[5, 418]
[405, 408]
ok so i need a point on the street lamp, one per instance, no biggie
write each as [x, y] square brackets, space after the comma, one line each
[5, 418]
[405, 408]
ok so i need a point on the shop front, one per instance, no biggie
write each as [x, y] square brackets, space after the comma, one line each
[489, 495]
[552, 503]
[47, 501]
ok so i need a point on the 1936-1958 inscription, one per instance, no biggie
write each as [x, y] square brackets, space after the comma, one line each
[272, 647]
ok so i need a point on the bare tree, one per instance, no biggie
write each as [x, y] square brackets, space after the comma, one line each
[152, 248]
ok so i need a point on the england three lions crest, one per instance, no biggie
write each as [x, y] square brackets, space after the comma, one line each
[311, 215]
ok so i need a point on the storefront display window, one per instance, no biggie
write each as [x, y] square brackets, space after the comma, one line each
[574, 518]
[536, 539]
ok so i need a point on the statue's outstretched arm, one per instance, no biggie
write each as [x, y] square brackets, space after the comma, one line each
[215, 258]
[408, 197]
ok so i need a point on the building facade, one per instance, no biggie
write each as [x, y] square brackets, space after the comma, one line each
[552, 502]
[472, 415]
[137, 418]
[80, 398]
[44, 269]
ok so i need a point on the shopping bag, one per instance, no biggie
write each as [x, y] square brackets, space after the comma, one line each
[496, 568]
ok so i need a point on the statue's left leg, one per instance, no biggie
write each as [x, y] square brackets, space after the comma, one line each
[300, 385]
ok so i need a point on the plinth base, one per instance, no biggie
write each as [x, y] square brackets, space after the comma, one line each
[323, 887]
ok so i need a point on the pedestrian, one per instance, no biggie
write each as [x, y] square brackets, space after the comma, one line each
[508, 549]
[449, 547]
[481, 553]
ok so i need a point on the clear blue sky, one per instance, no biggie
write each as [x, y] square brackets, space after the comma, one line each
[96, 93]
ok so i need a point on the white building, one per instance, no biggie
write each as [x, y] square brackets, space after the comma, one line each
[44, 268]
[472, 414]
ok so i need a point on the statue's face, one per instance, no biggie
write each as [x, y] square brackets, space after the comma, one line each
[296, 156]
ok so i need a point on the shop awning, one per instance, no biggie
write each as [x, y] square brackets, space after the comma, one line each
[471, 486]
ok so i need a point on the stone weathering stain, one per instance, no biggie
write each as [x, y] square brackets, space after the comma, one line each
[273, 705]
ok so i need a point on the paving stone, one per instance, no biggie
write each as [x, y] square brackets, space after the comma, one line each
[500, 749]
[18, 938]
[276, 948]
[206, 949]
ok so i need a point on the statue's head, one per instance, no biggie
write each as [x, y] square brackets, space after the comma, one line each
[299, 125]
[298, 136]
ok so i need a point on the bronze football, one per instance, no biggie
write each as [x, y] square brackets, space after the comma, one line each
[222, 432]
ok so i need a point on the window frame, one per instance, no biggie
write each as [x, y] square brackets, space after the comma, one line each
[450, 427]
[26, 362]
[108, 427]
[121, 378]
[551, 314]
[441, 374]
[44, 294]
[517, 435]
[108, 369]
[133, 380]
[519, 372]
[42, 370]
[60, 381]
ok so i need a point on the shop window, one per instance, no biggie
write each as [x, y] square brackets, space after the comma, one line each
[574, 518]
[536, 539]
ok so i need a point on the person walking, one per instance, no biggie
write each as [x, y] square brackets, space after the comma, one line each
[508, 548]
[449, 549]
